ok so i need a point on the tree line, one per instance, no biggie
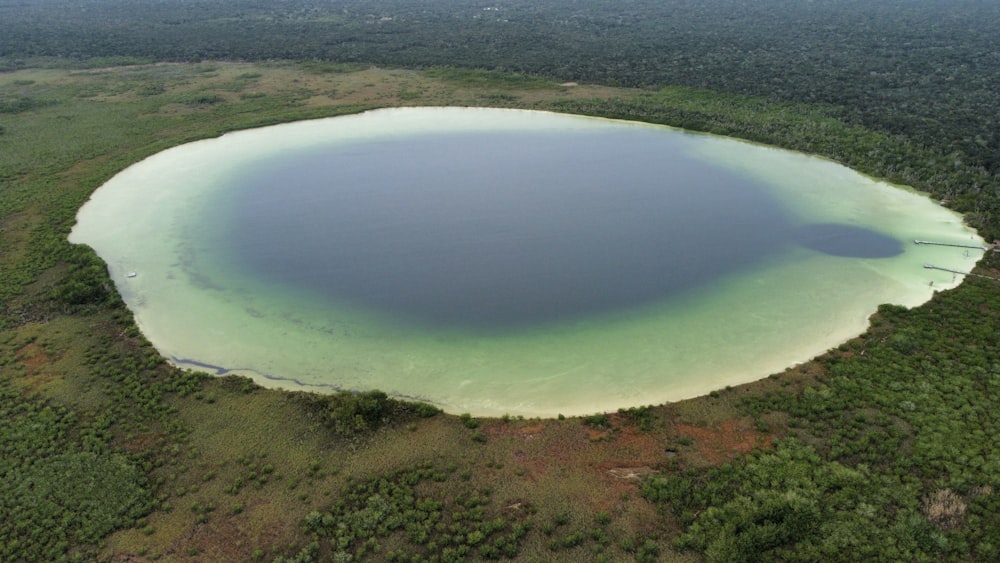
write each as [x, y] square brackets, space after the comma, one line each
[924, 70]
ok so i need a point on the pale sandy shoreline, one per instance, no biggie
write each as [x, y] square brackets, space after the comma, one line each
[786, 359]
[161, 191]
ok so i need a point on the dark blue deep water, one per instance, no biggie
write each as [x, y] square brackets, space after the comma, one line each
[499, 231]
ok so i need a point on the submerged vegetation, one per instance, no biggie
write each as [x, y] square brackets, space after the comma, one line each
[880, 448]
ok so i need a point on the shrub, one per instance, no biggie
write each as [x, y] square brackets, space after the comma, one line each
[597, 421]
[426, 410]
[468, 421]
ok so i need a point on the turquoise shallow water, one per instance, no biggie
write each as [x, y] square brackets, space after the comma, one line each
[178, 219]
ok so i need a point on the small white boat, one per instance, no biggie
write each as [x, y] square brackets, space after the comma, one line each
[132, 274]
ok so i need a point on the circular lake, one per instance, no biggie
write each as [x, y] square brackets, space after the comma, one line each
[504, 261]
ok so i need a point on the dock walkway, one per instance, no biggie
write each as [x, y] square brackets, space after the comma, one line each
[959, 272]
[976, 246]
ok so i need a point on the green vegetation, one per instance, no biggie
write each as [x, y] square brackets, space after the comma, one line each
[479, 78]
[599, 420]
[925, 70]
[388, 518]
[644, 418]
[899, 418]
[352, 414]
[789, 504]
[60, 486]
[880, 449]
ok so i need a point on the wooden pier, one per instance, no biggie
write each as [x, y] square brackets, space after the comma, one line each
[976, 246]
[959, 272]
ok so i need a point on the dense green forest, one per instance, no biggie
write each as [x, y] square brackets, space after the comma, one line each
[881, 449]
[926, 69]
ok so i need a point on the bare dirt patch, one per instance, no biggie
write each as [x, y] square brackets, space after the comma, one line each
[722, 442]
[37, 364]
[33, 357]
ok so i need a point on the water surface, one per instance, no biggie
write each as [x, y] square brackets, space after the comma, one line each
[499, 261]
[500, 231]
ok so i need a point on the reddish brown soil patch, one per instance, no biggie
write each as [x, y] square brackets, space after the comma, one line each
[532, 430]
[724, 441]
[35, 360]
[647, 446]
[33, 357]
[232, 538]
[625, 458]
[597, 435]
[513, 430]
[144, 442]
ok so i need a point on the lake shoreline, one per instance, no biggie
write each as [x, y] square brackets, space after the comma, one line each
[645, 346]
